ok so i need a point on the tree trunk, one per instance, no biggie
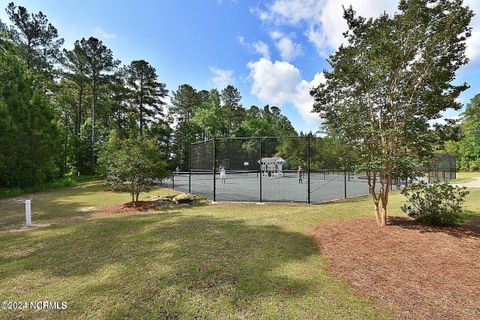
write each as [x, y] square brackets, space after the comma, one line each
[79, 111]
[65, 147]
[141, 121]
[380, 199]
[372, 182]
[384, 199]
[384, 216]
[94, 123]
[377, 214]
[141, 107]
[132, 192]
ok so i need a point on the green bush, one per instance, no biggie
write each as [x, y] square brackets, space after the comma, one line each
[131, 164]
[10, 193]
[438, 204]
[62, 182]
[475, 165]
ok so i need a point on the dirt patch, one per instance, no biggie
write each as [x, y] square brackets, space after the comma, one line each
[138, 206]
[86, 209]
[420, 272]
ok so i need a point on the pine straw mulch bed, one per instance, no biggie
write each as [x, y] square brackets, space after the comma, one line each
[420, 272]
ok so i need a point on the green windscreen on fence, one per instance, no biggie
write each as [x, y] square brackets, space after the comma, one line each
[280, 169]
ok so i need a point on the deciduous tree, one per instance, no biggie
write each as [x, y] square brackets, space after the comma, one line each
[132, 164]
[394, 76]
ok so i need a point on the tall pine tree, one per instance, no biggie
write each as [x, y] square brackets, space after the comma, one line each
[100, 62]
[146, 92]
[35, 36]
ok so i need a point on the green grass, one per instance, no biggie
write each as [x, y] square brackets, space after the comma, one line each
[226, 261]
[464, 177]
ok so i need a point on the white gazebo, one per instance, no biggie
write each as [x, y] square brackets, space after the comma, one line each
[272, 166]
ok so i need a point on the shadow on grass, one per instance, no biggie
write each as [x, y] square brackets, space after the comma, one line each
[199, 255]
[469, 230]
[64, 205]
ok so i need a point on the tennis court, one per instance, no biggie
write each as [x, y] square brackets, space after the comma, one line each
[266, 169]
[253, 187]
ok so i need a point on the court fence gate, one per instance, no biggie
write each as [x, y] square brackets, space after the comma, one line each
[303, 169]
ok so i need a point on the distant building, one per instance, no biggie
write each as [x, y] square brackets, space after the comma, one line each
[272, 166]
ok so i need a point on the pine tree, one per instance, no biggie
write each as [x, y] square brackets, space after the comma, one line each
[29, 136]
[231, 103]
[36, 37]
[146, 93]
[100, 62]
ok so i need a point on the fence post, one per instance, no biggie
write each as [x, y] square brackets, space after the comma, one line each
[345, 181]
[173, 181]
[214, 171]
[190, 169]
[455, 168]
[260, 164]
[309, 156]
[28, 213]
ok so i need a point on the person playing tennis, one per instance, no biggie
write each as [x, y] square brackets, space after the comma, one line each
[223, 174]
[300, 174]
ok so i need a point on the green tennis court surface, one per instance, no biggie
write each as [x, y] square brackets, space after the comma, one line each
[285, 187]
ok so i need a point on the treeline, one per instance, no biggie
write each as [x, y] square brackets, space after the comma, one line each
[59, 106]
[467, 148]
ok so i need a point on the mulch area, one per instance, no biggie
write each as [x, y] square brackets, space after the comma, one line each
[139, 206]
[420, 272]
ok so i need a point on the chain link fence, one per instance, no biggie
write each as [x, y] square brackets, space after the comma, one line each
[272, 169]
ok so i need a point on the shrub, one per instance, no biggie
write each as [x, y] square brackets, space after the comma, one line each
[438, 204]
[61, 183]
[131, 164]
[9, 193]
[475, 165]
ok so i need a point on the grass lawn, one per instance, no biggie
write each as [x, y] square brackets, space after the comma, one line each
[226, 261]
[464, 177]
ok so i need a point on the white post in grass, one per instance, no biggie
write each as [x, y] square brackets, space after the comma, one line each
[28, 213]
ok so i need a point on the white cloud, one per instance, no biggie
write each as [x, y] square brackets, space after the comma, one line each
[288, 49]
[318, 79]
[473, 43]
[241, 40]
[261, 48]
[262, 15]
[280, 82]
[325, 25]
[473, 46]
[294, 11]
[275, 35]
[323, 18]
[221, 77]
[102, 33]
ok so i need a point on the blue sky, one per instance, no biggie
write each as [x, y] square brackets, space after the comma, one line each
[273, 51]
